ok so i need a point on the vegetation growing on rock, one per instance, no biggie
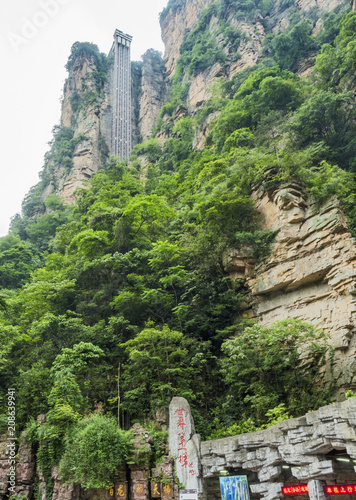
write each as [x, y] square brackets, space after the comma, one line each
[132, 275]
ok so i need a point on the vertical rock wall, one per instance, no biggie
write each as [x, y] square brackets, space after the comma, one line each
[154, 92]
[176, 22]
[151, 84]
[310, 273]
[94, 122]
[25, 468]
[182, 17]
[4, 467]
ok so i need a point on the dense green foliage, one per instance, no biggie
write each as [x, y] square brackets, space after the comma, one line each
[130, 281]
[88, 50]
[263, 369]
[93, 451]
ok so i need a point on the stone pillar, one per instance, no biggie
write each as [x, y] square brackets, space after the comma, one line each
[119, 489]
[162, 484]
[140, 470]
[4, 467]
[121, 486]
[139, 484]
[62, 491]
[316, 490]
[184, 445]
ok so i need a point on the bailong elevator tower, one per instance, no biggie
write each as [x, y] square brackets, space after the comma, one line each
[121, 133]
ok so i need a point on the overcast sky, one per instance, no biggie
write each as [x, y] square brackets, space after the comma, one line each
[36, 37]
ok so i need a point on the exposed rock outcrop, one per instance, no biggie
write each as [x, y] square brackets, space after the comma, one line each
[183, 17]
[151, 84]
[174, 25]
[310, 273]
[25, 468]
[93, 122]
[154, 92]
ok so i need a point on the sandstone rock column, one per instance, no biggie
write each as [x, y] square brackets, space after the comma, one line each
[25, 469]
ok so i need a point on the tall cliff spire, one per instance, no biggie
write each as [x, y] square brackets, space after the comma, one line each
[121, 134]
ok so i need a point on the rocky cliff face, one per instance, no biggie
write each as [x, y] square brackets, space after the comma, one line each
[92, 122]
[310, 273]
[154, 91]
[175, 24]
[151, 82]
[182, 18]
[25, 470]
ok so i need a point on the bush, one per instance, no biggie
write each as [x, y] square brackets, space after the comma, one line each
[269, 366]
[94, 450]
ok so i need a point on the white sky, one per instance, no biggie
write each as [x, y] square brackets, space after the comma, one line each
[32, 74]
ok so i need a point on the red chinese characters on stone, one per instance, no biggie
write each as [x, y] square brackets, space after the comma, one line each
[180, 413]
[181, 439]
[183, 456]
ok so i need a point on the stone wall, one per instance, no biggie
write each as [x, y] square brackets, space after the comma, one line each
[310, 273]
[303, 450]
[306, 447]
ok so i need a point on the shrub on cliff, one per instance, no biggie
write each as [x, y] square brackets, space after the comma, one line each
[268, 366]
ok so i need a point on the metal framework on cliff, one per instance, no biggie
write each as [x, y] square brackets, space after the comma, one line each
[121, 95]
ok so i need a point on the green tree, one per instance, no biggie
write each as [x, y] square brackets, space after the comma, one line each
[267, 366]
[335, 65]
[327, 117]
[291, 47]
[156, 370]
[94, 449]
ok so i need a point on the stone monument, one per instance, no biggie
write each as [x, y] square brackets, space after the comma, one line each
[184, 445]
